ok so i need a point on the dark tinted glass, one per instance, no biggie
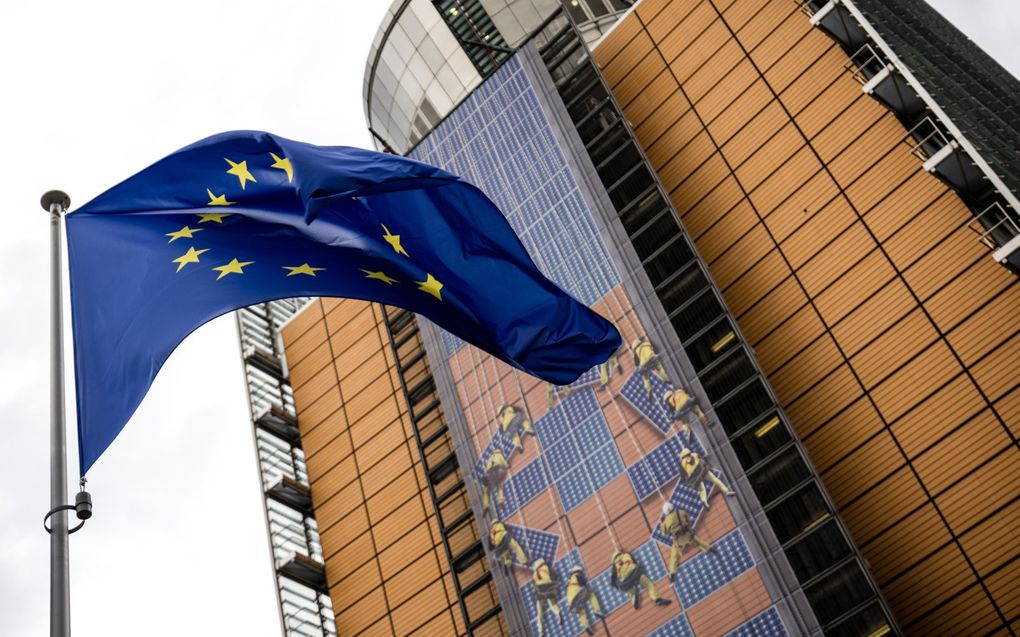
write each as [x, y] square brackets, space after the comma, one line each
[581, 82]
[619, 164]
[694, 316]
[837, 592]
[798, 512]
[631, 187]
[759, 441]
[593, 98]
[743, 407]
[868, 621]
[668, 261]
[728, 374]
[679, 289]
[636, 215]
[605, 143]
[818, 551]
[712, 345]
[601, 119]
[779, 475]
[654, 235]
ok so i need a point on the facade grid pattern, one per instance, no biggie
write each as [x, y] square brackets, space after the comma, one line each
[878, 318]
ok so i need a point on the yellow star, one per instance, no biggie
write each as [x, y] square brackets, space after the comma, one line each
[379, 276]
[283, 164]
[430, 285]
[191, 256]
[184, 233]
[240, 171]
[212, 216]
[220, 200]
[302, 269]
[234, 267]
[393, 240]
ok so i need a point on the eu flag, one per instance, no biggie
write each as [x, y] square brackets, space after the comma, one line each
[246, 217]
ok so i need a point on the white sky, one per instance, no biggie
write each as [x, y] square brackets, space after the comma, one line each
[91, 93]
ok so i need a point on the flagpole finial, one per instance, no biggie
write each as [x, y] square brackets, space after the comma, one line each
[58, 197]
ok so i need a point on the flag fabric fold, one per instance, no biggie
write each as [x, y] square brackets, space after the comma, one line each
[247, 217]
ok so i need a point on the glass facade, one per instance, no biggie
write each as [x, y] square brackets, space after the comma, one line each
[819, 185]
[579, 474]
[428, 55]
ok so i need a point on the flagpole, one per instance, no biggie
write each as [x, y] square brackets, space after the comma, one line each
[56, 203]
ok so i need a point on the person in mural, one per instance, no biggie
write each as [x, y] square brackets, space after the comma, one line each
[694, 471]
[676, 525]
[503, 544]
[607, 369]
[579, 595]
[647, 363]
[547, 589]
[496, 470]
[513, 423]
[681, 406]
[556, 391]
[628, 574]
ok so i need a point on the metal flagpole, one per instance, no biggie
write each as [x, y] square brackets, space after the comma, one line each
[57, 202]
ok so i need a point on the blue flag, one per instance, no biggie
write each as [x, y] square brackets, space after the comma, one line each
[247, 217]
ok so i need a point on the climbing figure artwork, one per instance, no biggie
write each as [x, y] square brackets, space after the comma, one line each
[676, 524]
[515, 424]
[694, 471]
[607, 369]
[553, 392]
[681, 406]
[496, 471]
[628, 574]
[502, 543]
[579, 596]
[547, 589]
[647, 363]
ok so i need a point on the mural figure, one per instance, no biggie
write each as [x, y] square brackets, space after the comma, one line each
[496, 471]
[555, 391]
[607, 369]
[694, 471]
[676, 524]
[513, 423]
[647, 363]
[503, 544]
[627, 574]
[547, 589]
[579, 595]
[681, 406]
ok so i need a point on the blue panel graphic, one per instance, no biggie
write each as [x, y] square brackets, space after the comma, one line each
[579, 405]
[768, 623]
[604, 465]
[551, 427]
[578, 448]
[574, 488]
[703, 574]
[537, 544]
[524, 486]
[563, 456]
[650, 405]
[676, 627]
[658, 467]
[499, 139]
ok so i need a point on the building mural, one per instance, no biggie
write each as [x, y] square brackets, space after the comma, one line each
[601, 498]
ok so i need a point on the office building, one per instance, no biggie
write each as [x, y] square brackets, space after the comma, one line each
[761, 197]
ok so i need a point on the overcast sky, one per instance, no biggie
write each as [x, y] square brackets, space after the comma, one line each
[93, 92]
